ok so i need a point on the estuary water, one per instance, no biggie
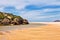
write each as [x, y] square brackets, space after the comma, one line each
[14, 27]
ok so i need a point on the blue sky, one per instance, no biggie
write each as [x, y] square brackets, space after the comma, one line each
[33, 10]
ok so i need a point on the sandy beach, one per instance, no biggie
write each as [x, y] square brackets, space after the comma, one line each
[45, 32]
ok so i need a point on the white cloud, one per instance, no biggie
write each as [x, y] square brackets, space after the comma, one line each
[43, 2]
[31, 15]
[50, 10]
[40, 14]
[51, 16]
[20, 4]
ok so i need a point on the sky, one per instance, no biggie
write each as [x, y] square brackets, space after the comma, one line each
[33, 10]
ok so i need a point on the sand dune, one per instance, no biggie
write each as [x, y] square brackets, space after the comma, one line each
[48, 32]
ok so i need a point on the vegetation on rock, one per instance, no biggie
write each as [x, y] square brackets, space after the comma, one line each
[8, 19]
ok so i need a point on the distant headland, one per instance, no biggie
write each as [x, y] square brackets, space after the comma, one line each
[10, 19]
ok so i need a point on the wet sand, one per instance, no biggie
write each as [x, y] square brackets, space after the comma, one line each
[45, 32]
[14, 27]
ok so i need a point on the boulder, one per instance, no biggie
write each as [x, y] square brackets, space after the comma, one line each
[0, 21]
[18, 21]
[13, 23]
[25, 21]
[5, 21]
[57, 21]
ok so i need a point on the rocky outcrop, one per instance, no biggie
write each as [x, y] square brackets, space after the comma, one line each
[57, 21]
[25, 21]
[8, 19]
[17, 21]
[5, 21]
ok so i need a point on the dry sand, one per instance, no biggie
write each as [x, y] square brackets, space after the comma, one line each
[48, 32]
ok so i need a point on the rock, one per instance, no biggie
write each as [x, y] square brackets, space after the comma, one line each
[0, 21]
[12, 23]
[5, 14]
[6, 21]
[57, 21]
[25, 21]
[10, 19]
[18, 21]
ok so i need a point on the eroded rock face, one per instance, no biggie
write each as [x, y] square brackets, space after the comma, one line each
[18, 21]
[25, 21]
[7, 19]
[0, 21]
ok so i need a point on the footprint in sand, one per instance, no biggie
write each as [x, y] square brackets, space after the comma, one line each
[1, 33]
[4, 32]
[7, 31]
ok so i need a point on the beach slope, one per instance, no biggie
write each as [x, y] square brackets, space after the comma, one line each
[48, 32]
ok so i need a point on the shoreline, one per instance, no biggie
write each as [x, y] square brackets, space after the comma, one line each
[31, 25]
[47, 22]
